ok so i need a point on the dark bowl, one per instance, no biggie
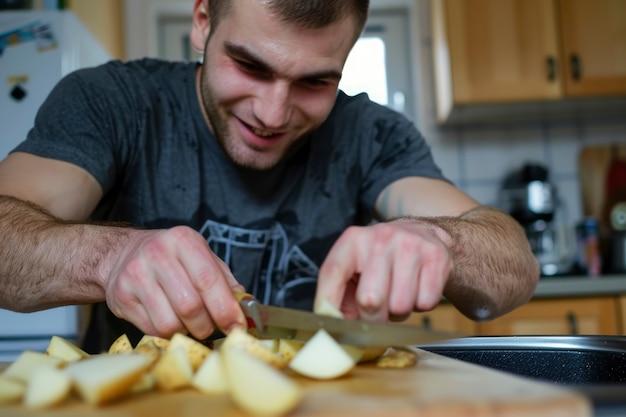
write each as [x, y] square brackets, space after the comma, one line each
[594, 365]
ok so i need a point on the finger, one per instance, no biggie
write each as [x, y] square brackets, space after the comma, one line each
[138, 316]
[213, 281]
[187, 304]
[404, 285]
[171, 300]
[349, 306]
[161, 313]
[340, 266]
[372, 293]
[433, 277]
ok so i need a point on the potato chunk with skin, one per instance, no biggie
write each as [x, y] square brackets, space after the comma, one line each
[240, 339]
[11, 390]
[121, 345]
[25, 364]
[64, 349]
[196, 351]
[173, 370]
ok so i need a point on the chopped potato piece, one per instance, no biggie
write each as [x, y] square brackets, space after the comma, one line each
[150, 350]
[161, 342]
[64, 349]
[47, 387]
[11, 390]
[104, 378]
[196, 351]
[173, 370]
[288, 348]
[121, 345]
[257, 387]
[240, 339]
[397, 358]
[322, 358]
[25, 364]
[211, 377]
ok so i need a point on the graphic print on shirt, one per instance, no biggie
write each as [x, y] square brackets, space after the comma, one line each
[265, 262]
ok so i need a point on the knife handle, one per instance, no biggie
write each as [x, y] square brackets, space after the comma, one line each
[245, 301]
[240, 295]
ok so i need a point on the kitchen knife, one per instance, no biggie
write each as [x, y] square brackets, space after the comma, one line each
[284, 323]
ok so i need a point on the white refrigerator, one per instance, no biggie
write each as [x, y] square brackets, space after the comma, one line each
[37, 48]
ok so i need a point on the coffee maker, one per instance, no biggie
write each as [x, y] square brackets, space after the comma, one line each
[531, 199]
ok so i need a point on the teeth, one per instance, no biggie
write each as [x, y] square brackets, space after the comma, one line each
[262, 133]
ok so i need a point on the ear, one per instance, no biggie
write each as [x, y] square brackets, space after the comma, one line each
[201, 25]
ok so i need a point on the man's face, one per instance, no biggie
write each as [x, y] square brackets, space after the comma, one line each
[266, 84]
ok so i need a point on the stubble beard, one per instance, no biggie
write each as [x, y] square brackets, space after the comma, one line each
[218, 123]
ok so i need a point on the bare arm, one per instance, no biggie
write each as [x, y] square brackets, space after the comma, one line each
[163, 281]
[435, 241]
[42, 261]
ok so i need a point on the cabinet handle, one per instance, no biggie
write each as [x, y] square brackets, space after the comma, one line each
[426, 322]
[576, 67]
[551, 64]
[573, 323]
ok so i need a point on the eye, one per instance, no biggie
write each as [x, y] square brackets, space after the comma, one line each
[252, 68]
[315, 82]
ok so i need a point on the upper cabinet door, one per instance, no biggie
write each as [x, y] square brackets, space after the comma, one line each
[500, 50]
[594, 46]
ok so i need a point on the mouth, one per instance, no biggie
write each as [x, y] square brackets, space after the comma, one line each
[262, 133]
[260, 139]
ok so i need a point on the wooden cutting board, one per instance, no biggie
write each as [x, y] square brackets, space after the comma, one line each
[436, 387]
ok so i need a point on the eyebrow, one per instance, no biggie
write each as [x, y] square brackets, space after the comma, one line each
[240, 51]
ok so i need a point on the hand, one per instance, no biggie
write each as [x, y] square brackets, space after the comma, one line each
[386, 270]
[169, 281]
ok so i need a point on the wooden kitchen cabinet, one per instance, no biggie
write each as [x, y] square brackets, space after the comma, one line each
[593, 47]
[604, 315]
[444, 317]
[584, 316]
[622, 313]
[499, 50]
[527, 51]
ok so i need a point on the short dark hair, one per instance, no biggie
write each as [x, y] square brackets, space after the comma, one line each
[311, 14]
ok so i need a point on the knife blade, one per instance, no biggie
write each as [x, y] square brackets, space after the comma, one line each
[266, 321]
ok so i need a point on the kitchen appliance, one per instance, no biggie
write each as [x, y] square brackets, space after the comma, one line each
[285, 323]
[530, 198]
[602, 171]
[37, 48]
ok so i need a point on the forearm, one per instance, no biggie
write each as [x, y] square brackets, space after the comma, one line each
[494, 270]
[46, 262]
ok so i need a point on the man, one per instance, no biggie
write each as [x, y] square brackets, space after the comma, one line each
[298, 189]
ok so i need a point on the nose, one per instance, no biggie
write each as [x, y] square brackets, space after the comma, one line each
[273, 105]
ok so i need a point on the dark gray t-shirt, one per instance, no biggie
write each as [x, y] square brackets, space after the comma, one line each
[138, 129]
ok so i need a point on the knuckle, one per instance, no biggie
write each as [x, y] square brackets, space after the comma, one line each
[205, 279]
[181, 232]
[190, 308]
[167, 326]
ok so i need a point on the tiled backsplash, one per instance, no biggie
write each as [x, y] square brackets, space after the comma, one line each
[478, 158]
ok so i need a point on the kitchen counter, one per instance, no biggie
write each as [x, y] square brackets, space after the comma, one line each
[573, 286]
